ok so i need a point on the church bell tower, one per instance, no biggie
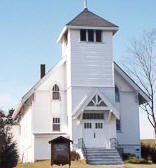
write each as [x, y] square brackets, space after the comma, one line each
[87, 46]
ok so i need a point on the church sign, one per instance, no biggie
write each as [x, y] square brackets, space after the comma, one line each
[60, 151]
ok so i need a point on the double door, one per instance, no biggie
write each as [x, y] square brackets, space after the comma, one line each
[93, 133]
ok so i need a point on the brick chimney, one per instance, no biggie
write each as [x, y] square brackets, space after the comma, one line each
[42, 71]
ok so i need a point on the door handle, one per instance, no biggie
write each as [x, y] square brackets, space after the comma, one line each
[94, 135]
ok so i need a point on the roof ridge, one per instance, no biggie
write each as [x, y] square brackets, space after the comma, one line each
[88, 18]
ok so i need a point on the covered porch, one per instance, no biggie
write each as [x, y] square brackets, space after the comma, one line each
[96, 118]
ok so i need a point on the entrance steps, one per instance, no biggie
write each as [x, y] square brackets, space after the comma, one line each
[102, 156]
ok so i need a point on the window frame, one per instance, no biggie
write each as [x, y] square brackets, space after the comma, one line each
[87, 125]
[98, 125]
[117, 94]
[93, 116]
[118, 121]
[56, 122]
[94, 36]
[81, 35]
[91, 35]
[56, 90]
[96, 32]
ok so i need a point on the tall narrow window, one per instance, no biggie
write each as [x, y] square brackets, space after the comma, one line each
[98, 36]
[87, 125]
[117, 94]
[66, 38]
[90, 35]
[83, 35]
[56, 124]
[98, 125]
[56, 92]
[118, 125]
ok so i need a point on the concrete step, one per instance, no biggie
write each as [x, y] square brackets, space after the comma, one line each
[101, 156]
[104, 163]
[102, 153]
[101, 149]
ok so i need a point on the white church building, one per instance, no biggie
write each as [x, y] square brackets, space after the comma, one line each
[85, 97]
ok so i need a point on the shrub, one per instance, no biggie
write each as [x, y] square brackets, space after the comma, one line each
[130, 158]
[75, 156]
[127, 156]
[153, 154]
[8, 152]
[148, 152]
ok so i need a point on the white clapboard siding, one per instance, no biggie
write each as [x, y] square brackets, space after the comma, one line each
[91, 63]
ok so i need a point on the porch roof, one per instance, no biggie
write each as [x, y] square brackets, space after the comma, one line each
[87, 98]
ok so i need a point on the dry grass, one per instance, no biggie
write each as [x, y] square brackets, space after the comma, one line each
[139, 166]
[81, 164]
[150, 142]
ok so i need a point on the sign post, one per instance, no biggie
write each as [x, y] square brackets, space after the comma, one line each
[60, 151]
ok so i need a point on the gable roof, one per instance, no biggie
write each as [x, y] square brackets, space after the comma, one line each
[87, 18]
[32, 90]
[87, 98]
[143, 96]
[60, 139]
[117, 68]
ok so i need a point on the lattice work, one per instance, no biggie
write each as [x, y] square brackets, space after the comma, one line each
[97, 101]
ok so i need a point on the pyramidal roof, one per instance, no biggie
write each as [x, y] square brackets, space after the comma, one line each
[89, 19]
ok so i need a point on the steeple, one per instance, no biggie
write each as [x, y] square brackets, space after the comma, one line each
[85, 4]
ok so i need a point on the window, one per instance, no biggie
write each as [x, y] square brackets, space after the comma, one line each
[118, 125]
[56, 124]
[66, 38]
[83, 35]
[98, 36]
[98, 125]
[87, 116]
[117, 94]
[87, 125]
[97, 101]
[56, 92]
[90, 35]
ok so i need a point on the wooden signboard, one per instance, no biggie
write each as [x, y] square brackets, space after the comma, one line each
[60, 151]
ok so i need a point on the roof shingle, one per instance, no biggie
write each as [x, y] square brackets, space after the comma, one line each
[89, 19]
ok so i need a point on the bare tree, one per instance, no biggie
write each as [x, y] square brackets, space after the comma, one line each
[142, 65]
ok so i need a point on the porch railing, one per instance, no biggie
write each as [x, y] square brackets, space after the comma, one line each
[83, 147]
[115, 144]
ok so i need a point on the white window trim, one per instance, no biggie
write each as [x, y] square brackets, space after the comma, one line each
[56, 124]
[94, 41]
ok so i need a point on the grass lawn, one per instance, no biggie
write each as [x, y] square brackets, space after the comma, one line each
[81, 164]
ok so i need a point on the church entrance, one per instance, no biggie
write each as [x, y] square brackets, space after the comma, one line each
[98, 123]
[93, 129]
[93, 134]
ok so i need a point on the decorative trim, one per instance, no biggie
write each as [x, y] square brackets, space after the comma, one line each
[33, 89]
[93, 28]
[87, 98]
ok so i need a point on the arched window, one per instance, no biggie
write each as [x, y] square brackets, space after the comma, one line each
[117, 94]
[56, 92]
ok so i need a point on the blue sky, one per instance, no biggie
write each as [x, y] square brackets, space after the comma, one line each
[29, 29]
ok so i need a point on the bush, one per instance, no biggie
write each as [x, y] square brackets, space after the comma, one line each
[148, 152]
[130, 158]
[75, 156]
[127, 156]
[8, 152]
[153, 154]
